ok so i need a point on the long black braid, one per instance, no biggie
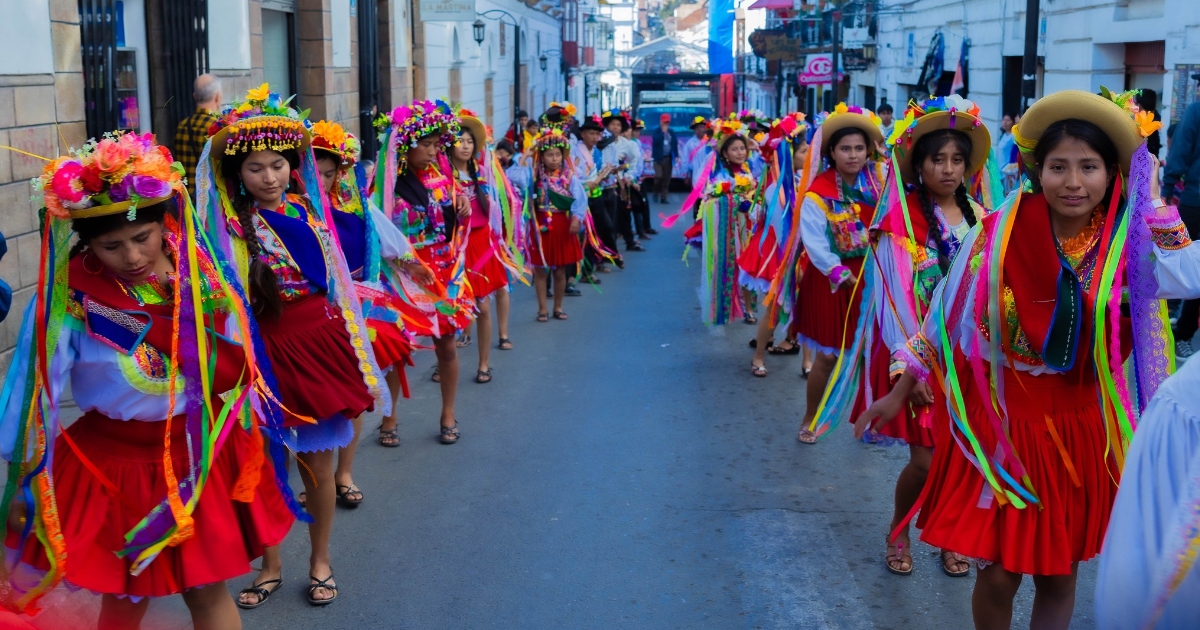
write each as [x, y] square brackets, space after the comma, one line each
[929, 145]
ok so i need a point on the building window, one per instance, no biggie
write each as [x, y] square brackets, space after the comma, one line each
[503, 41]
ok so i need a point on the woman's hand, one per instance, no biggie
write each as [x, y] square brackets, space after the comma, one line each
[576, 225]
[419, 272]
[921, 395]
[879, 413]
[462, 206]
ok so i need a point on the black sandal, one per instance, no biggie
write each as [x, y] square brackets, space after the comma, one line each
[343, 496]
[543, 317]
[780, 350]
[560, 315]
[483, 376]
[505, 344]
[302, 500]
[749, 319]
[450, 435]
[332, 588]
[437, 376]
[258, 591]
[390, 439]
[463, 341]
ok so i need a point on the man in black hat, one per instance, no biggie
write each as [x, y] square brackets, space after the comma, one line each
[616, 123]
[594, 172]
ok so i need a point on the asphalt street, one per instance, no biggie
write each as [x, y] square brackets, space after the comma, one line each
[622, 470]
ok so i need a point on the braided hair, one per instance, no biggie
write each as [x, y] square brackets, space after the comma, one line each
[926, 147]
[263, 286]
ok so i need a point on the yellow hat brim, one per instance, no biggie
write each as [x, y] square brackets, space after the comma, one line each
[116, 208]
[219, 140]
[837, 122]
[981, 140]
[1114, 121]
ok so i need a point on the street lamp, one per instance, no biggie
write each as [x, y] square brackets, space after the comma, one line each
[478, 27]
[542, 62]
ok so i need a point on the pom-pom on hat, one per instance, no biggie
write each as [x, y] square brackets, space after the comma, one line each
[593, 122]
[946, 112]
[638, 124]
[419, 120]
[699, 121]
[551, 138]
[616, 115]
[557, 115]
[332, 138]
[844, 116]
[264, 121]
[1116, 114]
[118, 173]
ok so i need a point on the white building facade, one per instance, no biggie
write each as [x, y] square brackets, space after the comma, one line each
[1083, 45]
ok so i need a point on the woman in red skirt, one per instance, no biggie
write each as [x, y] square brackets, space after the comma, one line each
[486, 255]
[1029, 453]
[560, 207]
[939, 153]
[375, 251]
[98, 507]
[259, 166]
[420, 196]
[837, 209]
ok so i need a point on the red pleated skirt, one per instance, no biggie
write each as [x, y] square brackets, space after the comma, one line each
[314, 362]
[558, 246]
[760, 257]
[228, 534]
[822, 317]
[961, 514]
[913, 426]
[392, 349]
[484, 269]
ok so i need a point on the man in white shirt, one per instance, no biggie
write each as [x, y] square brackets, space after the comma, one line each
[699, 124]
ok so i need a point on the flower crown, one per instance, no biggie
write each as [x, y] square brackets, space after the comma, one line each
[331, 137]
[725, 128]
[419, 120]
[568, 112]
[915, 111]
[116, 174]
[700, 120]
[843, 108]
[790, 127]
[551, 138]
[263, 121]
[1126, 100]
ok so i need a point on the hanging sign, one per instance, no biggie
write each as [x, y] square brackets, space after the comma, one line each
[447, 10]
[818, 70]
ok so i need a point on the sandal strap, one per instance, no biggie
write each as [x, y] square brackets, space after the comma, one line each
[321, 584]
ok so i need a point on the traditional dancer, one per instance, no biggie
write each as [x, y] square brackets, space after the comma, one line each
[771, 232]
[730, 195]
[375, 252]
[140, 319]
[488, 259]
[938, 148]
[417, 191]
[560, 208]
[1024, 477]
[263, 204]
[838, 207]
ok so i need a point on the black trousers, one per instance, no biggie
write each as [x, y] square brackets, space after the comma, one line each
[624, 215]
[1189, 317]
[641, 210]
[603, 210]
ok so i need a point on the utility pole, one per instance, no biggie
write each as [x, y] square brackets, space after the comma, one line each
[516, 71]
[833, 74]
[1029, 63]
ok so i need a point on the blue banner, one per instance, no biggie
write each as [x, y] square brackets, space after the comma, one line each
[720, 36]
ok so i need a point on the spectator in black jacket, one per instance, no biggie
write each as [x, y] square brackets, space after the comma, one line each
[664, 149]
[1183, 164]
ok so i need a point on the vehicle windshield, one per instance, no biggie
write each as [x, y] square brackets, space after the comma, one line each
[681, 116]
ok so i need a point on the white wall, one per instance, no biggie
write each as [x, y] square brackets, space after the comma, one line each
[400, 43]
[339, 22]
[25, 46]
[229, 34]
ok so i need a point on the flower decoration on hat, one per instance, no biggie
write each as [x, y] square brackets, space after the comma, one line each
[551, 138]
[419, 120]
[116, 174]
[953, 104]
[700, 120]
[725, 128]
[263, 121]
[790, 126]
[843, 108]
[331, 137]
[1128, 102]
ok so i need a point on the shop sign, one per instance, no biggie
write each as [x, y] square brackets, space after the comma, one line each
[447, 10]
[818, 70]
[774, 45]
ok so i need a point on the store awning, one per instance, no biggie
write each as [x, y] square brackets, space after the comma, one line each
[774, 5]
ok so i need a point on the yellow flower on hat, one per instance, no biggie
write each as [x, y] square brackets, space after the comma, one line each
[1146, 123]
[331, 132]
[901, 126]
[841, 108]
[261, 93]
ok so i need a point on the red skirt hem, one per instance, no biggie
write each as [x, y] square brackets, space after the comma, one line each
[558, 246]
[484, 270]
[392, 349]
[314, 362]
[822, 316]
[960, 512]
[760, 259]
[228, 534]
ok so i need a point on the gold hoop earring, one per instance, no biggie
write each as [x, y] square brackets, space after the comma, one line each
[97, 272]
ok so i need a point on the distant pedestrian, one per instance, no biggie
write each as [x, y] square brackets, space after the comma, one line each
[1183, 164]
[887, 120]
[1148, 102]
[192, 132]
[1006, 153]
[664, 149]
